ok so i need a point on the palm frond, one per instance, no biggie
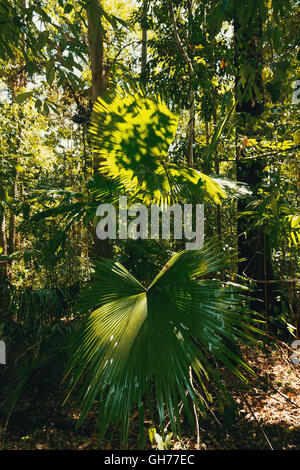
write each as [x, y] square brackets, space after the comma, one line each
[132, 134]
[138, 346]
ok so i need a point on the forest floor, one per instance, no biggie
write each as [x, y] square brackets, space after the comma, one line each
[267, 416]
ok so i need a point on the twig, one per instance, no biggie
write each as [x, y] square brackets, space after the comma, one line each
[257, 422]
[180, 41]
[271, 281]
[294, 351]
[122, 48]
[284, 396]
[195, 411]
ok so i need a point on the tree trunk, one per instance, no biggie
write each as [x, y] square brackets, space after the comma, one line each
[3, 237]
[12, 220]
[191, 129]
[3, 270]
[101, 248]
[96, 50]
[217, 171]
[144, 42]
[255, 257]
[192, 96]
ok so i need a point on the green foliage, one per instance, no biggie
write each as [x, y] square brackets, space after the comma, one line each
[39, 361]
[42, 306]
[49, 193]
[132, 135]
[138, 346]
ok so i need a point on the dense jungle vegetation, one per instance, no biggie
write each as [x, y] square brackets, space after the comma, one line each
[137, 342]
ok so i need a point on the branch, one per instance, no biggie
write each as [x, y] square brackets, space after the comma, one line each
[271, 281]
[257, 422]
[179, 41]
[276, 153]
[122, 48]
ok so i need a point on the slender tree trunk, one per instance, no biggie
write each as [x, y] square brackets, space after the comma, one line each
[192, 96]
[101, 248]
[9, 243]
[144, 42]
[96, 50]
[3, 269]
[3, 236]
[255, 257]
[191, 133]
[191, 136]
[217, 171]
[12, 220]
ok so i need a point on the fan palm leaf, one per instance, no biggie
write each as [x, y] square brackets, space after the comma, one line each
[140, 343]
[132, 134]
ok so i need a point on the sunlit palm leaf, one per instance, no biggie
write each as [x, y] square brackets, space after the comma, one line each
[138, 346]
[132, 134]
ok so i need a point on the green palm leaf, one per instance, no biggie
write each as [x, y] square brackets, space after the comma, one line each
[132, 135]
[138, 347]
